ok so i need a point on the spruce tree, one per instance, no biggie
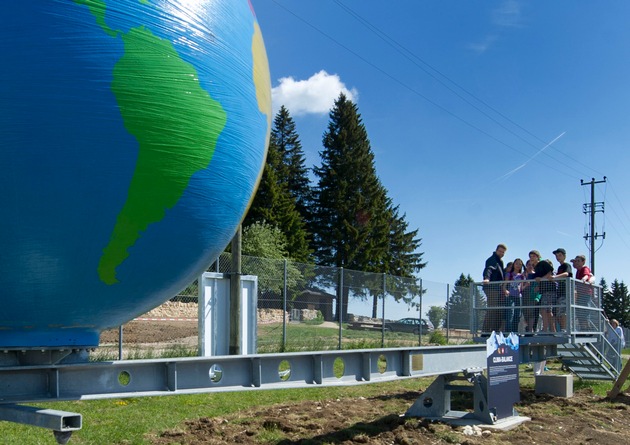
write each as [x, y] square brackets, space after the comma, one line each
[616, 303]
[349, 200]
[292, 169]
[274, 205]
[355, 225]
[402, 257]
[460, 305]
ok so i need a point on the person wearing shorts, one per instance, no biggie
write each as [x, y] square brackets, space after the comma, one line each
[543, 273]
[564, 271]
[531, 302]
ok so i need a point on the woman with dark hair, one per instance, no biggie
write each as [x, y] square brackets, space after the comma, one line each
[549, 290]
[514, 273]
[530, 295]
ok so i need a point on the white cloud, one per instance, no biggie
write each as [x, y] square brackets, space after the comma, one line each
[508, 14]
[482, 47]
[315, 95]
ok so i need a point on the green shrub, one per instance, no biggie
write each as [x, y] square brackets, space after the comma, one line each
[319, 319]
[437, 337]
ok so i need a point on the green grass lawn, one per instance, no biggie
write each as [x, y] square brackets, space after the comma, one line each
[130, 421]
[304, 337]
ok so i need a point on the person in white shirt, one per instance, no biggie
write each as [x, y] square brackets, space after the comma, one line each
[617, 341]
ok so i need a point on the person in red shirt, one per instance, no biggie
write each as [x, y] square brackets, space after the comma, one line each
[583, 273]
[583, 292]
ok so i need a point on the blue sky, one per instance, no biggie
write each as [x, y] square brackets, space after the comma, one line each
[483, 116]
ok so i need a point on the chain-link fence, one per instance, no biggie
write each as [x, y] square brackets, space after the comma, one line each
[304, 307]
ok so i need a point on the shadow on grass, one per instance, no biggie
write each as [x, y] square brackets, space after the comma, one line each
[365, 429]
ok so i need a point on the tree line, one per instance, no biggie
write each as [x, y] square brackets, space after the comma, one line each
[344, 216]
[616, 301]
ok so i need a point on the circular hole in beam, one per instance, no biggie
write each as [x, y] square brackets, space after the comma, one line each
[339, 367]
[284, 370]
[215, 373]
[382, 364]
[124, 378]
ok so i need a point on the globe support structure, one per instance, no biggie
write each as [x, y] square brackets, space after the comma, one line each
[194, 375]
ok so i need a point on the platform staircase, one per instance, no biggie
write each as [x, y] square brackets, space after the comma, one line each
[591, 356]
[586, 361]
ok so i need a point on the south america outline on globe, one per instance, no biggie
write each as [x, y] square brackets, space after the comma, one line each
[172, 146]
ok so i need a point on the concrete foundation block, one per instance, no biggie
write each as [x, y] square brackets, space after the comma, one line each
[555, 385]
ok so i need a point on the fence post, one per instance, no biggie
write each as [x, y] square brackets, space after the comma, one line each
[284, 308]
[120, 342]
[473, 306]
[383, 312]
[448, 316]
[420, 315]
[570, 311]
[340, 308]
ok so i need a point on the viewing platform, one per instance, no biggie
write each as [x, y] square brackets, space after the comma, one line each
[553, 319]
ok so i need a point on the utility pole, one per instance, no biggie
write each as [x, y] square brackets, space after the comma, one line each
[592, 208]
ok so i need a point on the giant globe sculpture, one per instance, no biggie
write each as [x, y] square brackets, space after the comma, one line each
[132, 137]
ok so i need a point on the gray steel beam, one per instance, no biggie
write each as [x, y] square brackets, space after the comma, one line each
[45, 418]
[135, 378]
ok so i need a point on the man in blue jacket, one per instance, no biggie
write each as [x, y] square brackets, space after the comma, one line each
[493, 272]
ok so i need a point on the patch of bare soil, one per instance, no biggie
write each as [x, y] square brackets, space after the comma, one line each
[583, 419]
[136, 332]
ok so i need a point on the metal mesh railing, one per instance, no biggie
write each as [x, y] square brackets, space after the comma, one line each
[546, 307]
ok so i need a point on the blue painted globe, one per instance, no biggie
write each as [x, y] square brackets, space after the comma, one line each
[132, 137]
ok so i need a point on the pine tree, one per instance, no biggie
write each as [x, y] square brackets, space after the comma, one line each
[402, 257]
[349, 200]
[603, 285]
[459, 306]
[355, 225]
[616, 303]
[292, 170]
[274, 205]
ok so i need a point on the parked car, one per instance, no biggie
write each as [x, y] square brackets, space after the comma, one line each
[409, 325]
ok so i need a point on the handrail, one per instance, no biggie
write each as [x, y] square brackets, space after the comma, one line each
[611, 352]
[580, 305]
[574, 310]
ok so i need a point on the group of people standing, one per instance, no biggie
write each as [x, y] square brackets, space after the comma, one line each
[544, 295]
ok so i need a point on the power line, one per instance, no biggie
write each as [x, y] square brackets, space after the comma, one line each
[412, 57]
[419, 62]
[621, 234]
[421, 95]
[620, 205]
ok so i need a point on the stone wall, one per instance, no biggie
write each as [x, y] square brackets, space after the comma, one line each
[173, 309]
[271, 316]
[180, 310]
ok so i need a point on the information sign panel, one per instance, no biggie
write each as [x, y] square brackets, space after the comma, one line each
[503, 384]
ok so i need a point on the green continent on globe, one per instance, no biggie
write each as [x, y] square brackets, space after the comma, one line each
[175, 122]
